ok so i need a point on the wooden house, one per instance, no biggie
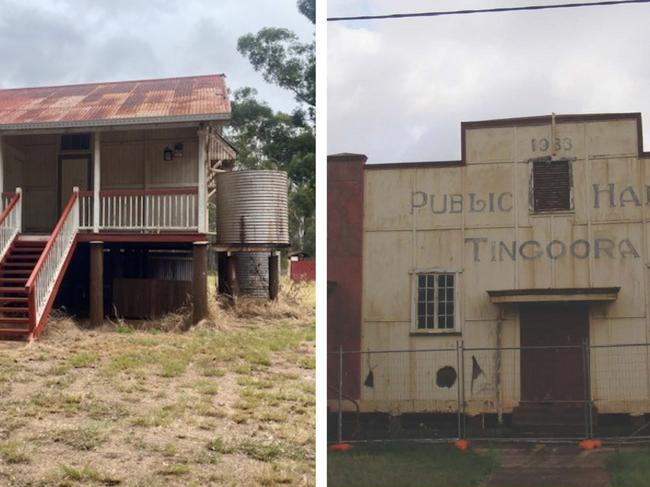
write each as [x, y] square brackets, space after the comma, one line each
[105, 191]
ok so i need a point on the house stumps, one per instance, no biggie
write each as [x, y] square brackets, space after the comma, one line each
[96, 283]
[200, 281]
[274, 276]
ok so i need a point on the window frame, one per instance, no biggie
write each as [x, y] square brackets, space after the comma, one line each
[415, 273]
[531, 186]
[77, 151]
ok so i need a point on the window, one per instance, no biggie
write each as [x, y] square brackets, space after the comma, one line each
[75, 142]
[435, 301]
[551, 186]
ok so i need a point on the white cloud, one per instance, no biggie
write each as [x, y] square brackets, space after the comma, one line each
[398, 89]
[49, 42]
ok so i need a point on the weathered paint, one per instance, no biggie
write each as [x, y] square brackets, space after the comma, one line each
[130, 159]
[488, 233]
[345, 195]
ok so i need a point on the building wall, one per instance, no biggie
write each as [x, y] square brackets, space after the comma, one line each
[345, 193]
[130, 159]
[487, 209]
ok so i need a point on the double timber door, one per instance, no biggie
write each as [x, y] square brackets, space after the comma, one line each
[553, 374]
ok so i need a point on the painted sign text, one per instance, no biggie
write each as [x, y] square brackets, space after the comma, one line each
[500, 251]
[454, 203]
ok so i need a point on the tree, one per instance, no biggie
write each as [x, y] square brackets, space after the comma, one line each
[283, 60]
[267, 139]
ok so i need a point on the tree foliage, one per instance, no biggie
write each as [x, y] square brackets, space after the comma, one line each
[267, 139]
[283, 59]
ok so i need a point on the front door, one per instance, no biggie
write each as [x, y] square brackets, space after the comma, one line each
[553, 374]
[73, 171]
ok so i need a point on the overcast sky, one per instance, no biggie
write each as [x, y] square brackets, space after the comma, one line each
[51, 42]
[398, 89]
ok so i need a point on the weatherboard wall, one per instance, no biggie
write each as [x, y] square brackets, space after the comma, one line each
[130, 159]
[403, 233]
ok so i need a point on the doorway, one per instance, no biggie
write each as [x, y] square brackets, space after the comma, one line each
[553, 374]
[74, 170]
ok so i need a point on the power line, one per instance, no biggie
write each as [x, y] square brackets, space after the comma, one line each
[486, 10]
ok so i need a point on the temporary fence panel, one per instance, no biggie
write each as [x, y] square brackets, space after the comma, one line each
[519, 393]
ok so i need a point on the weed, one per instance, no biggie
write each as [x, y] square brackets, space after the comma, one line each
[176, 469]
[82, 359]
[84, 474]
[84, 438]
[13, 452]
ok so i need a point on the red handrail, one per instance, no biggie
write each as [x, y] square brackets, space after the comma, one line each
[9, 207]
[50, 242]
[141, 192]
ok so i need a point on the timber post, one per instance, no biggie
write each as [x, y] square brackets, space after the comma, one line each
[233, 279]
[200, 281]
[274, 276]
[96, 283]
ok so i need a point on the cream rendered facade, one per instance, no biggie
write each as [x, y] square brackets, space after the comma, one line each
[474, 217]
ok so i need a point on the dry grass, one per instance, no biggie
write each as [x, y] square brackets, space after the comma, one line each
[148, 404]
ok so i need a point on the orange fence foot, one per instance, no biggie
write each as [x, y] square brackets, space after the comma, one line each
[461, 445]
[590, 444]
[340, 447]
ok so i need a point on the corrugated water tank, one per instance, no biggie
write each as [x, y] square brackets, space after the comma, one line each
[252, 207]
[253, 273]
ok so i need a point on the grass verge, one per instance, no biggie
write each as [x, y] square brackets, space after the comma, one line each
[412, 465]
[630, 468]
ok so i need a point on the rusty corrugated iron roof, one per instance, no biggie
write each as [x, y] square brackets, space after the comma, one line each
[194, 98]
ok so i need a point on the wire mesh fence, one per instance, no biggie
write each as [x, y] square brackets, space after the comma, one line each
[515, 393]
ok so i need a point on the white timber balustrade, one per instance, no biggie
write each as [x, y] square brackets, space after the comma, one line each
[97, 171]
[10, 221]
[172, 209]
[43, 279]
[203, 185]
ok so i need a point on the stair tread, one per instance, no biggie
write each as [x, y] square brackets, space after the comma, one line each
[14, 331]
[13, 299]
[17, 309]
[6, 319]
[5, 289]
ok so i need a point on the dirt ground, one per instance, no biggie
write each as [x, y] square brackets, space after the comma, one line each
[230, 402]
[550, 466]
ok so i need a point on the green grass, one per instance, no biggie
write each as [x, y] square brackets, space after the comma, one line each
[81, 474]
[407, 465]
[83, 359]
[13, 452]
[84, 438]
[630, 468]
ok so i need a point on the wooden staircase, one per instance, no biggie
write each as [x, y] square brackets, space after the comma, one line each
[32, 267]
[15, 269]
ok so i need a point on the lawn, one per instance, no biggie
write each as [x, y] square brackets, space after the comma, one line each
[229, 402]
[630, 468]
[407, 465]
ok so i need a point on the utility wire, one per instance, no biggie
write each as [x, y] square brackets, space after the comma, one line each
[486, 10]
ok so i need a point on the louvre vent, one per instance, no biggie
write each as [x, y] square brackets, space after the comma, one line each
[551, 185]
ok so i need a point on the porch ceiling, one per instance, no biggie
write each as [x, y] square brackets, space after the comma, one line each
[187, 99]
[556, 295]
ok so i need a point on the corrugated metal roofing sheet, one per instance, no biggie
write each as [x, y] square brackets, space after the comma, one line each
[195, 98]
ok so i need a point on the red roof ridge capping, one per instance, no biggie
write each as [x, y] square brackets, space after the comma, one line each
[160, 100]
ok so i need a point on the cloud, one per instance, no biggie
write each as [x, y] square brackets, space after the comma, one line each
[49, 42]
[398, 89]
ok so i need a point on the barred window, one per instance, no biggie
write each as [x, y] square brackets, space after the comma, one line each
[551, 186]
[436, 301]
